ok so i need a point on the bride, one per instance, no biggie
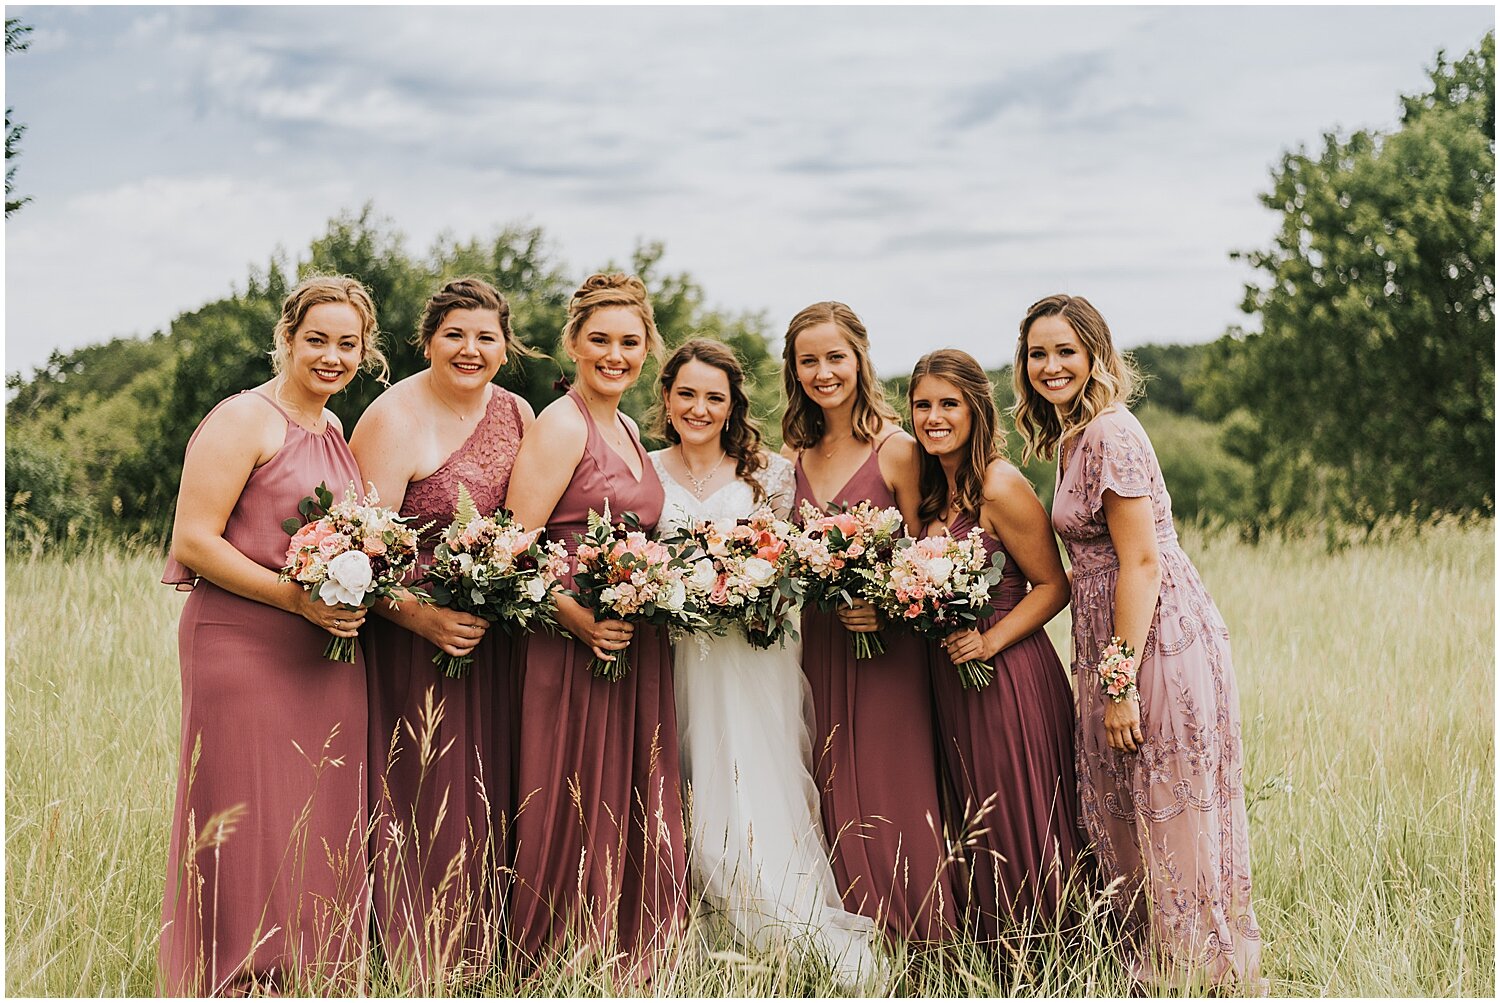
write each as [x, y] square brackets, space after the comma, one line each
[756, 847]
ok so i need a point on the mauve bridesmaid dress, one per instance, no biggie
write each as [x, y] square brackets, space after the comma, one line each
[875, 758]
[600, 856]
[440, 786]
[1013, 741]
[274, 734]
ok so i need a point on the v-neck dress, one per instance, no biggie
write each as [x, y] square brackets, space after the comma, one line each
[599, 853]
[875, 758]
[273, 743]
[441, 782]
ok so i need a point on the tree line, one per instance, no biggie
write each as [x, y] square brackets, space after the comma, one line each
[1367, 392]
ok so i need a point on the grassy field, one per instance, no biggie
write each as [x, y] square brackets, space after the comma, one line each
[1367, 680]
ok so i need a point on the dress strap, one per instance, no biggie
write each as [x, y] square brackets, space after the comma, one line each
[271, 401]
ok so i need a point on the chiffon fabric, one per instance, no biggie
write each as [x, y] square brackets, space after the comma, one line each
[600, 861]
[756, 850]
[1008, 749]
[440, 747]
[266, 885]
[875, 758]
[1170, 818]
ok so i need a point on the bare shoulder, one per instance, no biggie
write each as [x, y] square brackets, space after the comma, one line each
[333, 420]
[789, 453]
[244, 416]
[897, 444]
[389, 416]
[632, 423]
[560, 422]
[1004, 483]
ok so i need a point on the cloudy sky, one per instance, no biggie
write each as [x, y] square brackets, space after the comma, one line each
[937, 169]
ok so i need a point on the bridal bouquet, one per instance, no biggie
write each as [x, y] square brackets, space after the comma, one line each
[352, 552]
[741, 575]
[494, 568]
[623, 574]
[938, 585]
[838, 554]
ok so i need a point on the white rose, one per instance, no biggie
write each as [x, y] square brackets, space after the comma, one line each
[536, 590]
[676, 597]
[759, 571]
[348, 579]
[940, 568]
[704, 575]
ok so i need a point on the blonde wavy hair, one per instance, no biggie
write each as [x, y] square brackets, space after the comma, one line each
[1113, 378]
[317, 289]
[602, 290]
[802, 424]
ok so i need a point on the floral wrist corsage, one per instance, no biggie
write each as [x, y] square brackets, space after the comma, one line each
[1117, 670]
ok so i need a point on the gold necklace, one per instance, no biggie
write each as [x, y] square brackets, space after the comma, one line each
[827, 452]
[699, 483]
[444, 401]
[311, 424]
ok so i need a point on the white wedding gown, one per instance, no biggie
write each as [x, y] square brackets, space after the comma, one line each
[756, 846]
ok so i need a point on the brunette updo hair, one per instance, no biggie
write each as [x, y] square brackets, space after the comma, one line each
[802, 424]
[740, 436]
[612, 289]
[468, 293]
[1113, 378]
[968, 377]
[317, 289]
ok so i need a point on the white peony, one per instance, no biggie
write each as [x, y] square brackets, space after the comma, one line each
[704, 575]
[759, 571]
[940, 568]
[676, 597]
[349, 577]
[536, 590]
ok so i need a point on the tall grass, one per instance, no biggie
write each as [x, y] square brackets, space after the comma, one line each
[1367, 691]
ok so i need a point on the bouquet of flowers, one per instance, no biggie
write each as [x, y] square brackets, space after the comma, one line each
[938, 585]
[353, 552]
[741, 575]
[622, 574]
[838, 554]
[493, 568]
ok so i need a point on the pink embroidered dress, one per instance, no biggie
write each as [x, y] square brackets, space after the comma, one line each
[273, 744]
[1170, 818]
[441, 783]
[875, 758]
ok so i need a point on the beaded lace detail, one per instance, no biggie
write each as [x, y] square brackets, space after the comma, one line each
[483, 463]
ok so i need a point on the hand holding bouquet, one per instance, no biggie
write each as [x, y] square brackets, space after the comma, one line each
[624, 575]
[741, 575]
[492, 567]
[939, 585]
[353, 552]
[838, 554]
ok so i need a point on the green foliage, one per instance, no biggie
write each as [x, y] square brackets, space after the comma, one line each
[15, 41]
[1371, 389]
[44, 499]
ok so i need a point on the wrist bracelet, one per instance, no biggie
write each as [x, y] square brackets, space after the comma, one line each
[1117, 670]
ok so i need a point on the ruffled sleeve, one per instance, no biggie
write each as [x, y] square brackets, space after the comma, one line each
[1117, 456]
[779, 479]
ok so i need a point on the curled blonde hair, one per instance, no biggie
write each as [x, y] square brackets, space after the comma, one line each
[602, 290]
[1113, 378]
[803, 424]
[317, 289]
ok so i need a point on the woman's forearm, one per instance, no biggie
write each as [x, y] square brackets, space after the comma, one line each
[1031, 614]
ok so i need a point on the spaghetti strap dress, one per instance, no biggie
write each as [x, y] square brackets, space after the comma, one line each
[1168, 820]
[875, 758]
[1010, 744]
[600, 860]
[266, 884]
[440, 748]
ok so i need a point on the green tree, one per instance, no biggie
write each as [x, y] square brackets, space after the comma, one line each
[15, 41]
[1370, 389]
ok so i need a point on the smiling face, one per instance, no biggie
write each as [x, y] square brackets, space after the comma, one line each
[940, 416]
[610, 349]
[326, 349]
[827, 366]
[698, 402]
[1057, 365]
[468, 348]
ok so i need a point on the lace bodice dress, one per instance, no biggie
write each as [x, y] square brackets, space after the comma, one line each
[744, 714]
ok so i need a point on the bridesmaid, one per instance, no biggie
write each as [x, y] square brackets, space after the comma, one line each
[1010, 744]
[1161, 771]
[266, 883]
[873, 745]
[440, 748]
[599, 835]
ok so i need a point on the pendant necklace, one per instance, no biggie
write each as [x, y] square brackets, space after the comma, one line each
[699, 483]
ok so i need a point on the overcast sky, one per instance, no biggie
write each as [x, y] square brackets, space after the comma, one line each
[937, 169]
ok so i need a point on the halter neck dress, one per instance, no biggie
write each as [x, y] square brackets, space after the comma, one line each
[1013, 741]
[278, 733]
[599, 851]
[875, 757]
[439, 836]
